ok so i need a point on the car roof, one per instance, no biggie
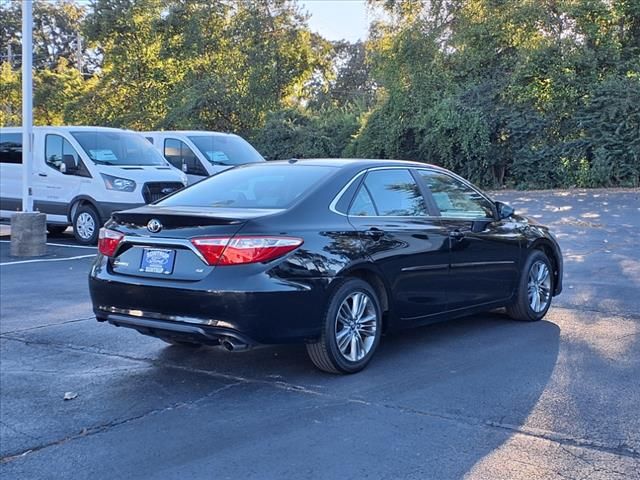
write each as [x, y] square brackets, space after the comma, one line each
[353, 162]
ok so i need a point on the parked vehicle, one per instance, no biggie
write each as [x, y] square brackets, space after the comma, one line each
[324, 252]
[200, 154]
[81, 175]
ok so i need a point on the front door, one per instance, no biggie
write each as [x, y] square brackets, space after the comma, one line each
[55, 185]
[391, 215]
[485, 251]
[180, 155]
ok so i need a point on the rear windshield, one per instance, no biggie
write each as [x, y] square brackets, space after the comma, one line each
[254, 186]
[226, 150]
[118, 148]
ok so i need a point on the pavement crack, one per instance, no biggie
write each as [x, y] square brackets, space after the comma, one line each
[558, 438]
[104, 427]
[38, 327]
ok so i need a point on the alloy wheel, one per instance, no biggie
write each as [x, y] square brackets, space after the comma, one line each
[539, 286]
[355, 326]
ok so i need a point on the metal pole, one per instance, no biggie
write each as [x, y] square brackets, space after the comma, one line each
[79, 51]
[27, 105]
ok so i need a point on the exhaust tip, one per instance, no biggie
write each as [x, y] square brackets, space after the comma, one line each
[232, 345]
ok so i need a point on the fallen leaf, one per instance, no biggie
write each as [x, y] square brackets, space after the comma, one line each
[69, 395]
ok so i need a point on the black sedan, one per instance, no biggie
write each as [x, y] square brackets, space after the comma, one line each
[329, 253]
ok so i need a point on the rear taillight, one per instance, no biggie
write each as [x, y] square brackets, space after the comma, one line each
[244, 249]
[108, 241]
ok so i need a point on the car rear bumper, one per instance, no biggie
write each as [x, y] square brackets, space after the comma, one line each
[260, 310]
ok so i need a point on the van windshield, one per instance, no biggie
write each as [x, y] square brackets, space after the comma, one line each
[226, 149]
[118, 148]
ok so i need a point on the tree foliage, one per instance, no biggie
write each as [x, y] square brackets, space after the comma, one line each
[524, 93]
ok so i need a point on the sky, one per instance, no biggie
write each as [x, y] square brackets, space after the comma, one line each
[338, 19]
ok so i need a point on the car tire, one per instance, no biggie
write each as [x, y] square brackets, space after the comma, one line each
[86, 225]
[349, 338]
[56, 230]
[179, 343]
[536, 281]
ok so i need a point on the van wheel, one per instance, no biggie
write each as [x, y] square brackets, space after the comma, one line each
[86, 225]
[351, 331]
[56, 230]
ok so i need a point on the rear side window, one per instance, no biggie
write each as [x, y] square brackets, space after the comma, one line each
[11, 148]
[255, 186]
[390, 193]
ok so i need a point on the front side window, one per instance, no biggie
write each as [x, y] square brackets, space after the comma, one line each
[118, 148]
[57, 151]
[181, 156]
[456, 199]
[255, 186]
[226, 149]
[392, 192]
[11, 148]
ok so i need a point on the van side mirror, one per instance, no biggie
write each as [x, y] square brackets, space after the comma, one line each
[68, 165]
[504, 210]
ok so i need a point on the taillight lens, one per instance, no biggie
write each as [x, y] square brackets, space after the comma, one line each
[244, 249]
[108, 241]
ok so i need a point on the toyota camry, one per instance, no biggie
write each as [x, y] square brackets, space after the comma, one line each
[329, 253]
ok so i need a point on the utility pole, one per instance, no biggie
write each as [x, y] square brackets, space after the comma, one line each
[27, 105]
[28, 228]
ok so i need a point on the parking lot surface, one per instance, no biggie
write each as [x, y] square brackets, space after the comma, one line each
[480, 397]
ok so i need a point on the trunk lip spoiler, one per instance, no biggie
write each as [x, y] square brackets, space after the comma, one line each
[158, 241]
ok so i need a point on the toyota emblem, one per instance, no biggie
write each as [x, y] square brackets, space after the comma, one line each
[154, 225]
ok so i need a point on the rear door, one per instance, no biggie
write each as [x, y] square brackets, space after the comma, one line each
[406, 243]
[485, 252]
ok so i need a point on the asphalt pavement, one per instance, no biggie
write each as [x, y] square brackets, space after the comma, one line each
[482, 397]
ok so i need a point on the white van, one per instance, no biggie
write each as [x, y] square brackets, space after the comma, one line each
[83, 174]
[200, 153]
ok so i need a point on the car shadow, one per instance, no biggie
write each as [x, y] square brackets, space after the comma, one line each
[476, 378]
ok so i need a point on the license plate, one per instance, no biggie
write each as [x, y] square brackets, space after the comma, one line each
[157, 260]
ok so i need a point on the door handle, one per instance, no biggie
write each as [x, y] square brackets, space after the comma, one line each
[456, 235]
[42, 174]
[374, 233]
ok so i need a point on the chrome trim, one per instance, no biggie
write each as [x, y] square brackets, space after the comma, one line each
[481, 264]
[158, 316]
[153, 241]
[420, 268]
[336, 199]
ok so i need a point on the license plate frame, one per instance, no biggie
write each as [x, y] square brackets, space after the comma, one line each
[160, 261]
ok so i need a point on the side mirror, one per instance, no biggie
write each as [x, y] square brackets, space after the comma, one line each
[185, 168]
[504, 210]
[68, 164]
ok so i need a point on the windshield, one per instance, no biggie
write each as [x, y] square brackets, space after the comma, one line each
[255, 186]
[118, 148]
[226, 150]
